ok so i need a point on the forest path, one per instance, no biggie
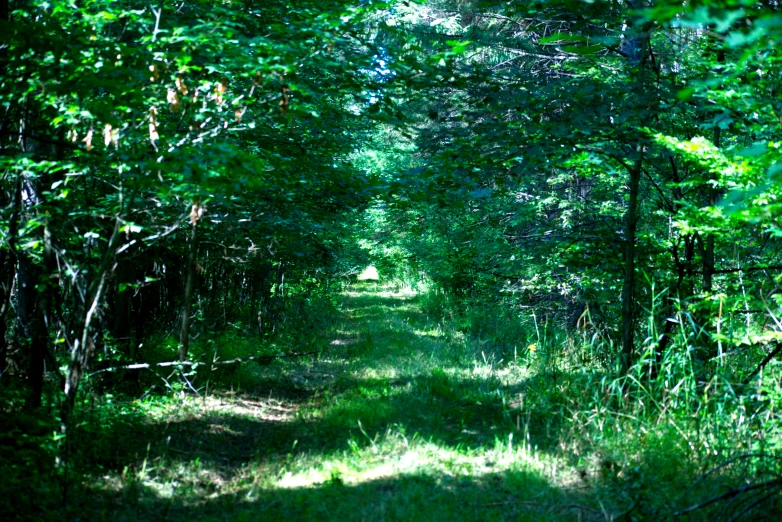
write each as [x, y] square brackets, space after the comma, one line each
[400, 419]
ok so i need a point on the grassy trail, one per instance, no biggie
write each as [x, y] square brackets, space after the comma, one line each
[398, 420]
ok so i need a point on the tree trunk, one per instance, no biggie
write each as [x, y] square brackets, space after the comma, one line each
[8, 273]
[184, 334]
[31, 324]
[708, 254]
[82, 347]
[32, 294]
[628, 289]
[638, 58]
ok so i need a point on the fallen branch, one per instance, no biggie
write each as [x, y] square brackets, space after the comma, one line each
[745, 456]
[750, 269]
[763, 363]
[545, 505]
[730, 494]
[261, 359]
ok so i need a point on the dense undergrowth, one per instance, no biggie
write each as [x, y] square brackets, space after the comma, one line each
[674, 438]
[412, 410]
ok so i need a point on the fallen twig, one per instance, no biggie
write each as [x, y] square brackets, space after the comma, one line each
[262, 359]
[763, 363]
[730, 494]
[543, 505]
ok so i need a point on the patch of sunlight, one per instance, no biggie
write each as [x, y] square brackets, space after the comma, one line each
[401, 292]
[385, 371]
[161, 489]
[408, 308]
[227, 406]
[435, 332]
[174, 479]
[394, 455]
[369, 274]
[507, 374]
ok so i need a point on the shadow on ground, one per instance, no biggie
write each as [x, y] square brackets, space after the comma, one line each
[280, 418]
[433, 398]
[514, 495]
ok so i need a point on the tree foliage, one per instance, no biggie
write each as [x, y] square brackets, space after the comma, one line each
[577, 153]
[601, 178]
[149, 146]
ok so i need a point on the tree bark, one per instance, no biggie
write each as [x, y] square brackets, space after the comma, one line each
[31, 324]
[82, 347]
[32, 293]
[708, 254]
[631, 217]
[628, 289]
[8, 273]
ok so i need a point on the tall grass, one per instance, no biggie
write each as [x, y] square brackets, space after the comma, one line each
[679, 435]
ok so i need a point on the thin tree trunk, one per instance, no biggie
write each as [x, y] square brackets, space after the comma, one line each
[710, 348]
[31, 324]
[8, 267]
[631, 217]
[628, 289]
[708, 255]
[124, 274]
[82, 347]
[184, 334]
[32, 289]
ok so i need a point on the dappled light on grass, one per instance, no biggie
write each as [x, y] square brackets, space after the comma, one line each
[423, 479]
[403, 422]
[346, 337]
[390, 260]
[394, 454]
[401, 418]
[434, 332]
[369, 292]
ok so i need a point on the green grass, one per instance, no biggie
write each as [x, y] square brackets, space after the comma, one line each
[402, 417]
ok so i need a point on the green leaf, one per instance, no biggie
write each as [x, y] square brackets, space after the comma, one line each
[582, 50]
[775, 171]
[739, 39]
[561, 37]
[753, 151]
[685, 94]
[458, 47]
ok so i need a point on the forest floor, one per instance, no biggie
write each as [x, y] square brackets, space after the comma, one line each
[399, 419]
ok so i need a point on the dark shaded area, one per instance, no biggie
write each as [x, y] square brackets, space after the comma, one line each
[468, 414]
[507, 496]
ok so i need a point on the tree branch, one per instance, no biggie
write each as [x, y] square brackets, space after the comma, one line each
[751, 269]
[730, 494]
[262, 359]
[763, 363]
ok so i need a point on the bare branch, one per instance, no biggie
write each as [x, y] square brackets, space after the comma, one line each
[262, 359]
